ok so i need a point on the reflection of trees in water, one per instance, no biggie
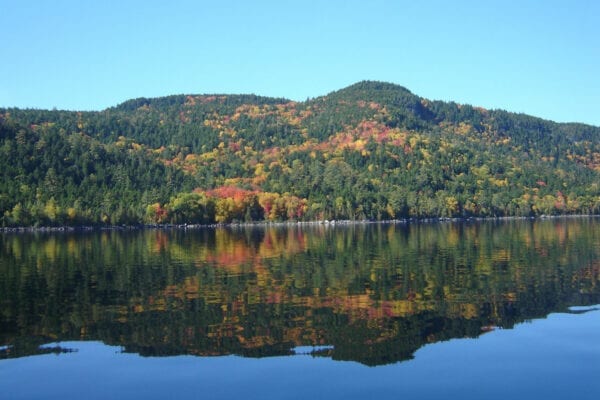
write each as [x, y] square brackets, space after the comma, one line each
[375, 292]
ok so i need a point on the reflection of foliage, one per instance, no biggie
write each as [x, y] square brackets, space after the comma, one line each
[28, 345]
[374, 292]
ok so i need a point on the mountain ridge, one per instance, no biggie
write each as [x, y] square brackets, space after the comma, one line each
[343, 92]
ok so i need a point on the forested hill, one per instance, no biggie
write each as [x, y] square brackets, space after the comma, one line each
[372, 150]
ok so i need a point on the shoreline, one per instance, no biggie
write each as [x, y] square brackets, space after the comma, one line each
[267, 224]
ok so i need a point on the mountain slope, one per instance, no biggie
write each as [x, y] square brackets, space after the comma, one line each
[50, 177]
[372, 150]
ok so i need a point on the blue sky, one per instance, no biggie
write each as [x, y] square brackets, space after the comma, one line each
[537, 57]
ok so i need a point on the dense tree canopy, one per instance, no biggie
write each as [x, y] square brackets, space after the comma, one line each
[370, 151]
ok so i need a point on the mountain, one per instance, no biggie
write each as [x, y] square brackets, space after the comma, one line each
[372, 150]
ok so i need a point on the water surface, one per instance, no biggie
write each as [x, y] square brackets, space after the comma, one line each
[430, 310]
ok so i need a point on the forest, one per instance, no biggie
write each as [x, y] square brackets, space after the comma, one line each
[370, 151]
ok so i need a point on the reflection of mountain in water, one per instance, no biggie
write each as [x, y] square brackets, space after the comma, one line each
[373, 294]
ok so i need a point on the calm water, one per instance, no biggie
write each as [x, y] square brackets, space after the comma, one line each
[476, 310]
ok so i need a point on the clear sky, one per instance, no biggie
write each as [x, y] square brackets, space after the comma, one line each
[537, 57]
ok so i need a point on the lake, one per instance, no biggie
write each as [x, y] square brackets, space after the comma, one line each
[428, 310]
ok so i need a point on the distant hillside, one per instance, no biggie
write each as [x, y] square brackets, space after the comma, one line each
[373, 150]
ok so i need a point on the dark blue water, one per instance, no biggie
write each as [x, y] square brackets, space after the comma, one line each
[553, 358]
